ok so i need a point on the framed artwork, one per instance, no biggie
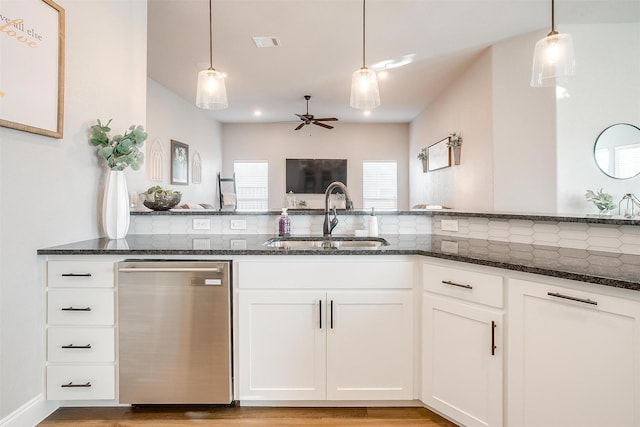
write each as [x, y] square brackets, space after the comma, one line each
[439, 155]
[32, 85]
[179, 163]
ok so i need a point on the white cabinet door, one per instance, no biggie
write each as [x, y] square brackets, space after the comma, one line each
[462, 360]
[282, 345]
[370, 345]
[574, 358]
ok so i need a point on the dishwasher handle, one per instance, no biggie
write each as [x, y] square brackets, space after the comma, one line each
[169, 269]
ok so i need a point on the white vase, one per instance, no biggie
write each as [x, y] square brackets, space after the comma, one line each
[115, 206]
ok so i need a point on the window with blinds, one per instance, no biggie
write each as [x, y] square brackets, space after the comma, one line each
[627, 159]
[252, 185]
[380, 185]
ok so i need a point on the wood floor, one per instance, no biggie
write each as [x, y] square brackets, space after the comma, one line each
[243, 416]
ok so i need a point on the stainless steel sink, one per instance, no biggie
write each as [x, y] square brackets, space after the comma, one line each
[326, 243]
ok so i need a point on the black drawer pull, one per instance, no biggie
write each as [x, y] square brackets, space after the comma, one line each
[76, 274]
[582, 300]
[493, 338]
[77, 346]
[72, 385]
[75, 309]
[447, 282]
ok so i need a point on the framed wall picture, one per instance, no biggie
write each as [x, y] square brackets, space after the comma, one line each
[179, 163]
[439, 155]
[32, 70]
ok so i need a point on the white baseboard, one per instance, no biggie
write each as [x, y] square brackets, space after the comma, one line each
[334, 403]
[31, 413]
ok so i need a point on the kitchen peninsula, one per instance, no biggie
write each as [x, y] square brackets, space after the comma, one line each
[460, 311]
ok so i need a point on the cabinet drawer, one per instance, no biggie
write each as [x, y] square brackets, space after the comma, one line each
[79, 307]
[464, 284]
[81, 382]
[80, 344]
[80, 274]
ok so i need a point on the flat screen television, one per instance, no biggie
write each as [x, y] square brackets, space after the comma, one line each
[313, 176]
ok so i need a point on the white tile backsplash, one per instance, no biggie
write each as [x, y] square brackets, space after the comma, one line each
[302, 225]
[601, 237]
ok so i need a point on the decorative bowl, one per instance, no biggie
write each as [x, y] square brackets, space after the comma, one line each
[161, 202]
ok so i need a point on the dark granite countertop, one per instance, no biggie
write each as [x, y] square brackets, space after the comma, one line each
[603, 268]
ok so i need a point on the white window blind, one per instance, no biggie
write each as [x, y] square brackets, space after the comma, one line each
[380, 185]
[252, 185]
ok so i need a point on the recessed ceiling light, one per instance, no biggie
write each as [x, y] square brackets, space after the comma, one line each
[266, 41]
[366, 112]
[257, 113]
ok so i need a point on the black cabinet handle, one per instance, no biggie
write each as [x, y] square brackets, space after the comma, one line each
[77, 346]
[320, 301]
[582, 300]
[72, 385]
[76, 274]
[331, 316]
[448, 282]
[75, 309]
[493, 338]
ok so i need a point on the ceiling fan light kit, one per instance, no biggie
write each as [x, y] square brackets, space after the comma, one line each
[365, 94]
[211, 92]
[553, 57]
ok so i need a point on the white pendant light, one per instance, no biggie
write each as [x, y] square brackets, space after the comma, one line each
[553, 57]
[364, 83]
[211, 93]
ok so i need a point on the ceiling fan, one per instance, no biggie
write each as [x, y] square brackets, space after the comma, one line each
[308, 119]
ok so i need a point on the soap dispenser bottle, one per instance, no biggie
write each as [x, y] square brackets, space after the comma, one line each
[373, 223]
[284, 224]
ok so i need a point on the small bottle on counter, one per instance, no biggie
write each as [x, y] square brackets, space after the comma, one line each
[373, 223]
[284, 224]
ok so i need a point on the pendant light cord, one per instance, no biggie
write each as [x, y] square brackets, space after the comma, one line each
[364, 39]
[210, 36]
[553, 17]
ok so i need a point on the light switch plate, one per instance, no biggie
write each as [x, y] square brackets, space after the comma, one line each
[238, 244]
[449, 225]
[201, 224]
[238, 224]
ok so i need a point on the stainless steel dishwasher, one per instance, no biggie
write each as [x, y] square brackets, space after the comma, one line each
[174, 332]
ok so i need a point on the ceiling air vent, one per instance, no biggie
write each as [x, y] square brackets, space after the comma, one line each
[266, 41]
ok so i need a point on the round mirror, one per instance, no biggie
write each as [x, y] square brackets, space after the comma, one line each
[617, 151]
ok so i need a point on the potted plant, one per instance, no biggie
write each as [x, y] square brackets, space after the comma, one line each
[423, 157]
[602, 200]
[119, 151]
[455, 142]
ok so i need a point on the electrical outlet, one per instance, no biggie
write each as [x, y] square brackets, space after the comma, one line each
[449, 247]
[238, 224]
[449, 225]
[238, 244]
[201, 244]
[201, 224]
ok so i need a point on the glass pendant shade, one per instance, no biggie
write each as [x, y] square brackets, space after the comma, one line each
[211, 93]
[364, 89]
[553, 57]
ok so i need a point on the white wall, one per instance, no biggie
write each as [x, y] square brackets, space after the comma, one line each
[51, 188]
[465, 107]
[524, 136]
[606, 90]
[171, 117]
[274, 142]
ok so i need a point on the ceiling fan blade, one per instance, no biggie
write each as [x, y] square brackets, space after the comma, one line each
[322, 124]
[327, 119]
[299, 126]
[301, 116]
